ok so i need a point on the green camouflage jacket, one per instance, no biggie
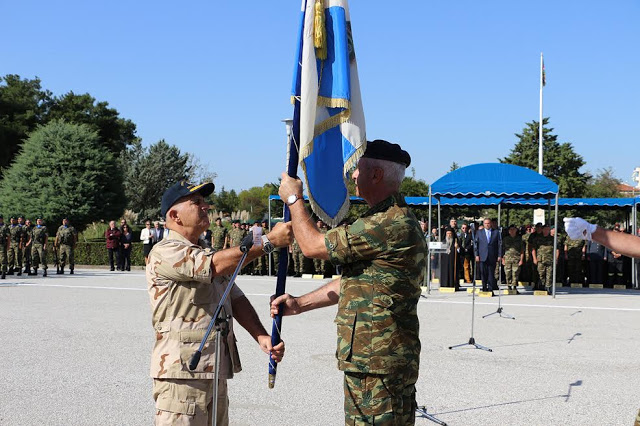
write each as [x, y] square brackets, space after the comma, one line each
[16, 233]
[39, 235]
[512, 247]
[383, 259]
[544, 249]
[65, 235]
[218, 234]
[235, 237]
[574, 247]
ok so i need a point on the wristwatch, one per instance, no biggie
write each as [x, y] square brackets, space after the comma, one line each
[292, 199]
[267, 247]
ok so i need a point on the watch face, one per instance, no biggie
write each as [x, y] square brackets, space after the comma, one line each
[292, 199]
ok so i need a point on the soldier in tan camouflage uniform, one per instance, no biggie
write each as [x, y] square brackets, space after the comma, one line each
[66, 240]
[185, 283]
[512, 257]
[542, 254]
[4, 246]
[383, 259]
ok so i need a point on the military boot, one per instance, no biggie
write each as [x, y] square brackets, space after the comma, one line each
[70, 271]
[19, 271]
[35, 272]
[10, 271]
[26, 270]
[58, 270]
[62, 270]
[4, 275]
[44, 272]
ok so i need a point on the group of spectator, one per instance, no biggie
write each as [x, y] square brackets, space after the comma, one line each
[523, 254]
[120, 240]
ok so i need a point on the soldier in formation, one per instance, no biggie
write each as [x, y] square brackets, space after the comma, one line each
[66, 240]
[16, 238]
[574, 254]
[542, 254]
[38, 241]
[512, 257]
[218, 236]
[319, 265]
[28, 228]
[4, 246]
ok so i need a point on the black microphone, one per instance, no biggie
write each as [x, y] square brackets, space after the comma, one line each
[247, 243]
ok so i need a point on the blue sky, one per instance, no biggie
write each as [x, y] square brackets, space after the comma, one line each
[449, 81]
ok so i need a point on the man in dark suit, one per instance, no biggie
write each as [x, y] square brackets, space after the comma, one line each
[488, 245]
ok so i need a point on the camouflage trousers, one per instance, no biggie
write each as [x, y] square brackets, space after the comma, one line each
[511, 271]
[3, 258]
[545, 270]
[259, 264]
[574, 265]
[637, 422]
[298, 261]
[386, 400]
[319, 266]
[66, 255]
[15, 256]
[189, 402]
[38, 256]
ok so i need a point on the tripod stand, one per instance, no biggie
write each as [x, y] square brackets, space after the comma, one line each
[499, 311]
[220, 321]
[472, 340]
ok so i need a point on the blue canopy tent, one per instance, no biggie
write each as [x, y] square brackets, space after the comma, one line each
[493, 182]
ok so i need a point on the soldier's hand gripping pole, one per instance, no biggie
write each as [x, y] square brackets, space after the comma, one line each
[245, 246]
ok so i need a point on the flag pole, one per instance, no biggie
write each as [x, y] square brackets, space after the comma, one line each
[540, 123]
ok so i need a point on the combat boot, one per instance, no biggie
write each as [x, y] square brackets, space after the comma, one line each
[26, 270]
[58, 270]
[62, 270]
[19, 272]
[10, 271]
[70, 271]
[4, 275]
[44, 272]
[35, 272]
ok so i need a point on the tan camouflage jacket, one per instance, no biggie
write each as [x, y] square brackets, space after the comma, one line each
[183, 296]
[383, 259]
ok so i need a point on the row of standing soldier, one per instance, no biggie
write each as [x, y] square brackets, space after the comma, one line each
[527, 257]
[220, 238]
[21, 240]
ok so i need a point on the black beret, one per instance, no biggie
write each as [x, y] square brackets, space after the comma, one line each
[383, 150]
[182, 189]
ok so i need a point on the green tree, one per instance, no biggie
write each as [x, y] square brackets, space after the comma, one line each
[116, 133]
[63, 171]
[149, 172]
[255, 200]
[226, 201]
[560, 161]
[412, 187]
[603, 185]
[23, 105]
[454, 166]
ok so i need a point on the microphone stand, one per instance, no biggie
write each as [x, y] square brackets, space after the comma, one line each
[220, 320]
[472, 340]
[499, 311]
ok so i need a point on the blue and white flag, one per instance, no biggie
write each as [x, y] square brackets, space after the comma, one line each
[332, 129]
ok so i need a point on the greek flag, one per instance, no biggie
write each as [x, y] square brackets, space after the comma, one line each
[326, 90]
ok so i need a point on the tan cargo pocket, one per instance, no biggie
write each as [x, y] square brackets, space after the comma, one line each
[190, 342]
[346, 326]
[177, 407]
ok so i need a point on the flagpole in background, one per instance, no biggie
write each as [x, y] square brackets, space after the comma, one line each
[542, 83]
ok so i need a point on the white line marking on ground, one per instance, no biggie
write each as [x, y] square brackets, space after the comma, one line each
[92, 287]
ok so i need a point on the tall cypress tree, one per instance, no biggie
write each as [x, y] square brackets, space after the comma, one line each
[63, 171]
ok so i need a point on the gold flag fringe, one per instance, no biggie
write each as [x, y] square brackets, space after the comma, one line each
[319, 31]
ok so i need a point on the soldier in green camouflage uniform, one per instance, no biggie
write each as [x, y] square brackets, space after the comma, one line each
[383, 255]
[38, 243]
[543, 253]
[66, 242]
[218, 236]
[16, 236]
[26, 257]
[4, 245]
[512, 257]
[319, 265]
[298, 259]
[560, 263]
[574, 252]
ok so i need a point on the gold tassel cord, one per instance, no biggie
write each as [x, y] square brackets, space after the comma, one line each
[319, 31]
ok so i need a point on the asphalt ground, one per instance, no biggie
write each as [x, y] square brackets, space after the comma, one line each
[74, 350]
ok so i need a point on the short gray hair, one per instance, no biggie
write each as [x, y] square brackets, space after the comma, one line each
[393, 172]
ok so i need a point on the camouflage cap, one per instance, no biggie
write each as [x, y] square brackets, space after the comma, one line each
[182, 189]
[383, 150]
